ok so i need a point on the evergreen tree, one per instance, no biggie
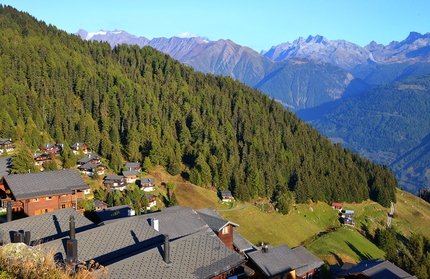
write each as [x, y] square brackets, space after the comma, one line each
[23, 160]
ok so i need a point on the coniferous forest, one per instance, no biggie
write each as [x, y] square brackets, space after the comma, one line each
[131, 103]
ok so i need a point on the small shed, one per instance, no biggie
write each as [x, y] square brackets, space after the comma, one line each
[336, 205]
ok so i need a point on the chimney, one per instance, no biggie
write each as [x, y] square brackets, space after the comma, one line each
[9, 210]
[131, 212]
[72, 227]
[72, 244]
[154, 223]
[18, 237]
[27, 237]
[166, 257]
[265, 249]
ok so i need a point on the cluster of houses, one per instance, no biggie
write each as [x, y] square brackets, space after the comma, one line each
[346, 215]
[175, 242]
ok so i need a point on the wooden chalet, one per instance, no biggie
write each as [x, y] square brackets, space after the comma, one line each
[374, 269]
[115, 182]
[152, 201]
[130, 176]
[133, 166]
[40, 158]
[79, 145]
[90, 169]
[6, 144]
[147, 184]
[90, 158]
[226, 196]
[347, 217]
[42, 192]
[221, 227]
[52, 148]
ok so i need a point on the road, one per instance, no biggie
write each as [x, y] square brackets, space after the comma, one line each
[390, 216]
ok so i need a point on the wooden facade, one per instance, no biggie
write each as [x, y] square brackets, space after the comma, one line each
[226, 236]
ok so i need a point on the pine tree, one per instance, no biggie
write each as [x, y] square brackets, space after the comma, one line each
[23, 160]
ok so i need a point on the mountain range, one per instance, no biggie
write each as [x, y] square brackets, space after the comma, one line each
[328, 83]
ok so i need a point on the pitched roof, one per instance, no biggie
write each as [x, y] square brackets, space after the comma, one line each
[311, 260]
[113, 177]
[379, 268]
[199, 255]
[42, 184]
[178, 221]
[130, 173]
[4, 166]
[110, 241]
[276, 261]
[132, 165]
[45, 227]
[215, 221]
[240, 243]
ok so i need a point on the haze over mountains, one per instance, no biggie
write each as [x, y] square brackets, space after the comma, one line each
[327, 83]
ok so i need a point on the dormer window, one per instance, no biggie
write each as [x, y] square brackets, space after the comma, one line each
[226, 230]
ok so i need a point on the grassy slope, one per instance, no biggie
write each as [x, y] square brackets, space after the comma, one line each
[305, 222]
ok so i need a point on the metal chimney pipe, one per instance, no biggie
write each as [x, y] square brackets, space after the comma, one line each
[166, 249]
[72, 252]
[72, 227]
[27, 237]
[18, 237]
[9, 210]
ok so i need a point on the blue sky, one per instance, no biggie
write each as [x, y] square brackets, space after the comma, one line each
[256, 24]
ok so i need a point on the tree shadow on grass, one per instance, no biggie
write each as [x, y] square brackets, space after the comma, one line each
[362, 256]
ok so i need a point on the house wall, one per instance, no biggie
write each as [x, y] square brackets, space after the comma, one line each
[227, 237]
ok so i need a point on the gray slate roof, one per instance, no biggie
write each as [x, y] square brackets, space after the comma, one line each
[110, 241]
[4, 166]
[132, 165]
[379, 268]
[129, 173]
[311, 260]
[278, 260]
[44, 184]
[215, 221]
[242, 244]
[199, 255]
[45, 227]
[178, 221]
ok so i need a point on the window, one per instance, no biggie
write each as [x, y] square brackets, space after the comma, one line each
[35, 200]
[63, 205]
[310, 276]
[225, 230]
[48, 198]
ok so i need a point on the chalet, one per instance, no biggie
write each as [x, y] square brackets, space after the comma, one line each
[221, 227]
[130, 176]
[172, 243]
[90, 169]
[152, 201]
[147, 184]
[79, 146]
[6, 144]
[100, 205]
[40, 158]
[115, 182]
[336, 205]
[133, 166]
[226, 196]
[274, 262]
[42, 192]
[313, 264]
[90, 158]
[375, 269]
[347, 216]
[51, 148]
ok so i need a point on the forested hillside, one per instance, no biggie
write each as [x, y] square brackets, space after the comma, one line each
[131, 103]
[388, 124]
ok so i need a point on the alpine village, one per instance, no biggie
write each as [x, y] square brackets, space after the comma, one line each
[118, 161]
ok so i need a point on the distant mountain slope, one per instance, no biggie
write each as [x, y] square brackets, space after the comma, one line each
[337, 52]
[389, 124]
[302, 83]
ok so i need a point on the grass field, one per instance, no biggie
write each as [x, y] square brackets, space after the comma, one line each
[316, 225]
